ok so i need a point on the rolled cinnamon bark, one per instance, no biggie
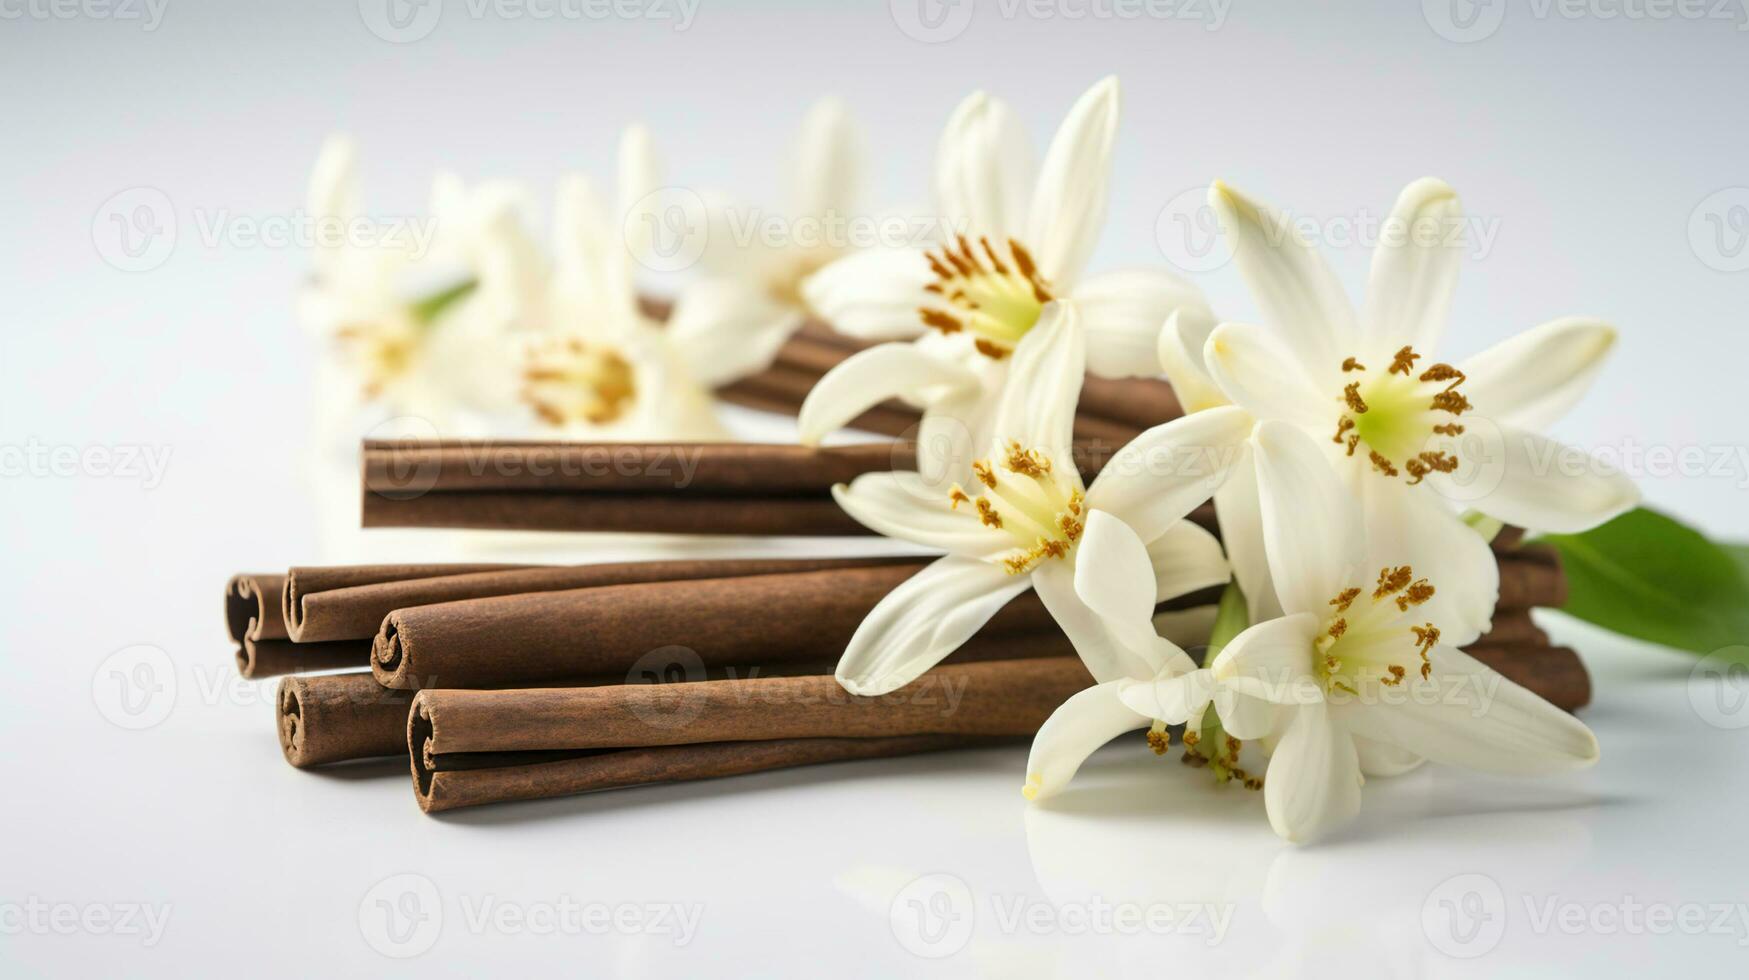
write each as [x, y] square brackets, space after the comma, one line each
[472, 747]
[319, 609]
[1514, 627]
[534, 636]
[1556, 674]
[340, 717]
[302, 581]
[1531, 577]
[255, 619]
[722, 469]
[252, 607]
[667, 514]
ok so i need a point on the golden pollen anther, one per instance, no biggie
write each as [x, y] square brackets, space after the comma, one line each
[1043, 513]
[993, 300]
[568, 380]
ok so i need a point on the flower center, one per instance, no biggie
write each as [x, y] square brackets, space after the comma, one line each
[1044, 513]
[1395, 412]
[1374, 641]
[995, 300]
[382, 350]
[568, 380]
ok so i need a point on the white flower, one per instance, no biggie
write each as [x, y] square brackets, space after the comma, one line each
[1416, 440]
[824, 177]
[595, 364]
[1025, 523]
[395, 299]
[971, 302]
[1374, 683]
[1175, 693]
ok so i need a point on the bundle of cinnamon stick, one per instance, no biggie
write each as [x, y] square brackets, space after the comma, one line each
[504, 682]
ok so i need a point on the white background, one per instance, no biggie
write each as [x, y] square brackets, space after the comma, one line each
[1606, 154]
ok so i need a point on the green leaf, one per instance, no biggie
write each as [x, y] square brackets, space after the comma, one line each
[426, 310]
[1651, 577]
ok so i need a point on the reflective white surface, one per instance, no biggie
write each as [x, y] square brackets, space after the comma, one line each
[1594, 149]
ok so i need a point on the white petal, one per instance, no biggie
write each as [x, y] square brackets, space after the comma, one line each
[1107, 655]
[1165, 472]
[1409, 526]
[1113, 574]
[905, 506]
[1241, 518]
[922, 621]
[334, 180]
[872, 294]
[1124, 311]
[983, 169]
[1540, 484]
[1180, 349]
[872, 376]
[1186, 559]
[1068, 205]
[827, 173]
[1414, 270]
[954, 428]
[1248, 718]
[1295, 289]
[640, 173]
[1264, 377]
[1312, 529]
[727, 329]
[1173, 700]
[589, 254]
[1272, 660]
[1037, 408]
[1531, 380]
[1313, 782]
[1381, 759]
[1072, 733]
[1481, 721]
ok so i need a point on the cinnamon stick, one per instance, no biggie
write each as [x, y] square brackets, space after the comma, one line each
[472, 747]
[768, 619]
[1556, 674]
[320, 607]
[338, 717]
[254, 617]
[333, 718]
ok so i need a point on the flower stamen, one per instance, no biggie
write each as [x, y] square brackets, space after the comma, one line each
[996, 302]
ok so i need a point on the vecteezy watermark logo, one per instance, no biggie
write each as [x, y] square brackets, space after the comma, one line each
[135, 687]
[145, 921]
[1464, 916]
[1188, 232]
[401, 21]
[933, 916]
[135, 230]
[408, 475]
[931, 21]
[149, 13]
[939, 21]
[1718, 230]
[1464, 21]
[401, 916]
[667, 229]
[675, 700]
[1718, 688]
